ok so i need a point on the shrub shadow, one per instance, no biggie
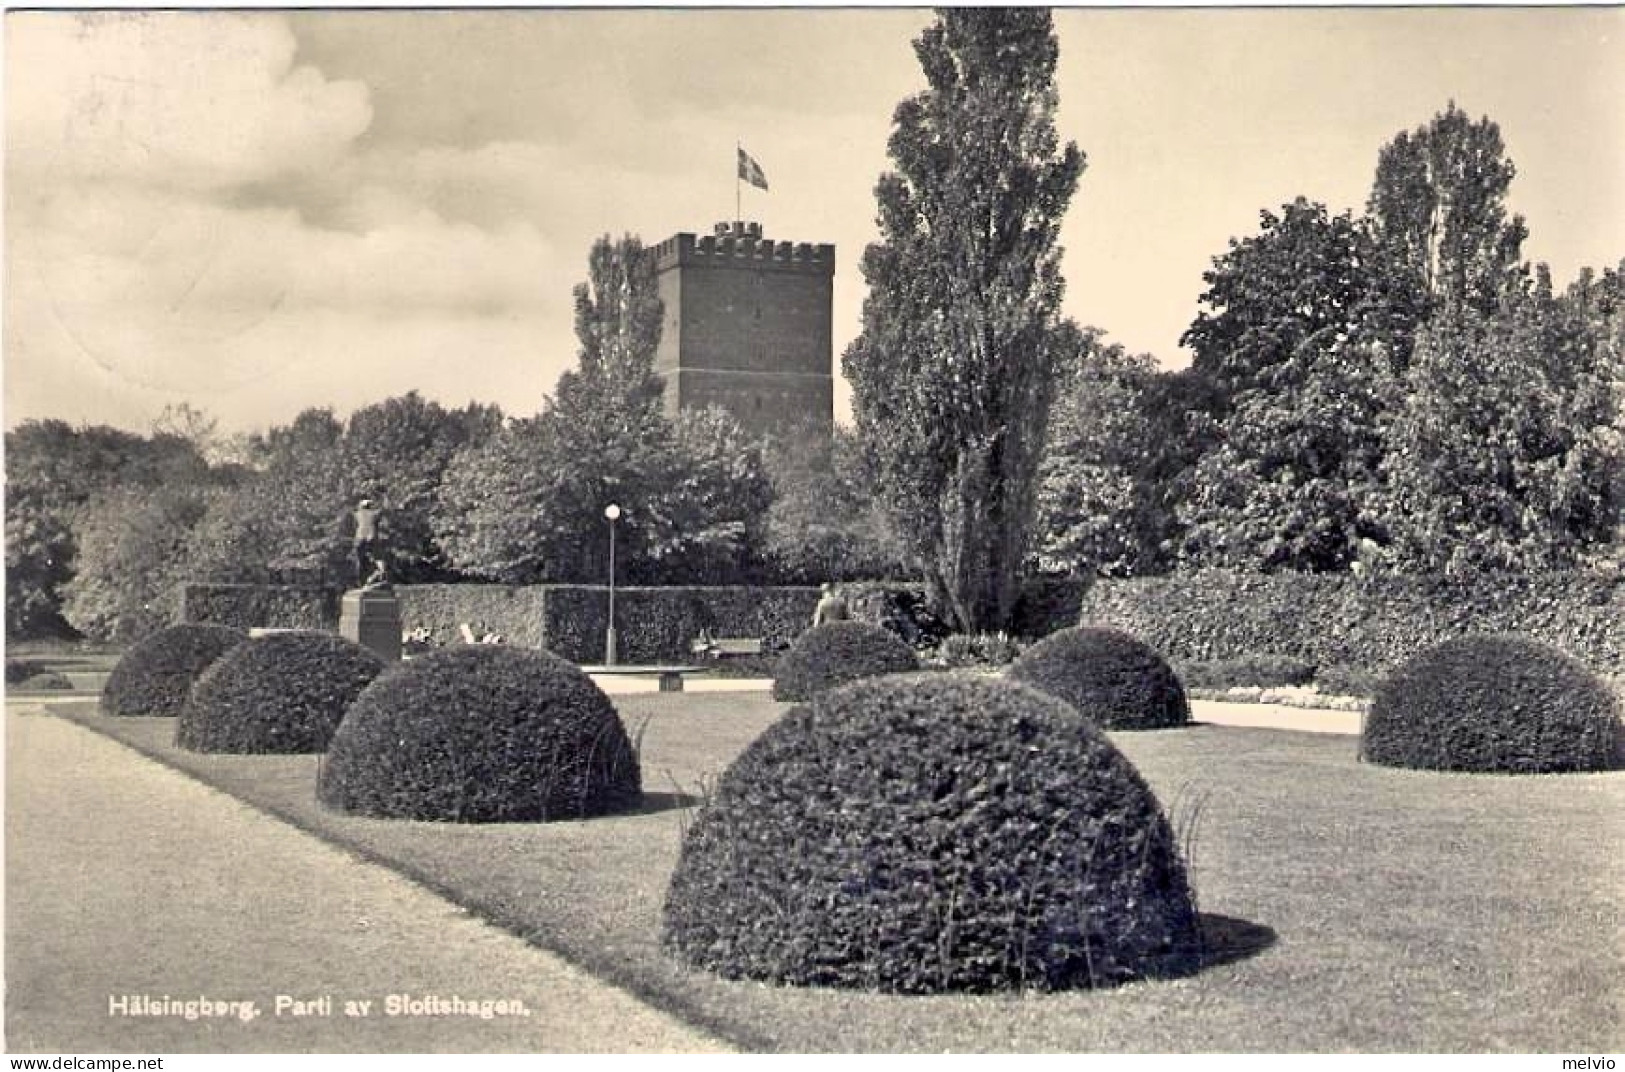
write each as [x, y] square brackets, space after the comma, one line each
[654, 803]
[1226, 939]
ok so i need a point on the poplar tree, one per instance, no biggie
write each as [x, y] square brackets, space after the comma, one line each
[954, 370]
[1438, 211]
[618, 322]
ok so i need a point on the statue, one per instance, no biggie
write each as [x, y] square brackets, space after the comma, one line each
[831, 606]
[367, 548]
[378, 578]
[370, 613]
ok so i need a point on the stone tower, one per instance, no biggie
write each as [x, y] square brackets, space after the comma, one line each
[747, 327]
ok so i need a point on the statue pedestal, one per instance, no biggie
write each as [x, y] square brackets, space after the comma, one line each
[371, 617]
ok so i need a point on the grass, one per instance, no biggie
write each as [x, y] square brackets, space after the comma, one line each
[1351, 907]
[55, 666]
[65, 652]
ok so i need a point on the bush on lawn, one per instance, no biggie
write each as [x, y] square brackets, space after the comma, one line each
[1109, 676]
[836, 653]
[282, 693]
[483, 733]
[1254, 671]
[155, 675]
[1346, 681]
[978, 650]
[1500, 703]
[932, 833]
[20, 670]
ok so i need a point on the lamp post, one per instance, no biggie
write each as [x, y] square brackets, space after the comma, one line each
[612, 512]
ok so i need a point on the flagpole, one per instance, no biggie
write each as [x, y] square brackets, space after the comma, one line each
[739, 147]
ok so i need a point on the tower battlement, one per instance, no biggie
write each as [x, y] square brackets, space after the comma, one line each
[741, 241]
[747, 325]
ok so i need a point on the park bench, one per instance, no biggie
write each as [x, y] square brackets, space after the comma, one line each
[671, 677]
[706, 646]
[722, 647]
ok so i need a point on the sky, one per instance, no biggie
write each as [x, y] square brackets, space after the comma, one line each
[258, 212]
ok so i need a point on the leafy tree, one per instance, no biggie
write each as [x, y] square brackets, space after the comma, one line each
[1122, 434]
[711, 516]
[954, 370]
[1182, 410]
[39, 560]
[490, 518]
[1438, 212]
[1592, 313]
[825, 523]
[618, 320]
[1303, 280]
[1506, 451]
[396, 452]
[130, 563]
[288, 518]
[52, 471]
[1290, 484]
[529, 504]
[1299, 332]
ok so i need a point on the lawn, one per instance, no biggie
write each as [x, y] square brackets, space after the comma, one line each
[1350, 907]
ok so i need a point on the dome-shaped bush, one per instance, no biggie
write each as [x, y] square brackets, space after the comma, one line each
[484, 733]
[1493, 703]
[836, 653]
[283, 693]
[932, 833]
[155, 675]
[1107, 675]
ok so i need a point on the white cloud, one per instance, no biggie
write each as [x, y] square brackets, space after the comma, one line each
[192, 100]
[155, 251]
[175, 295]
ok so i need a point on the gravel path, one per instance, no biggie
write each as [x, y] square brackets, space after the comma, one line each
[1276, 716]
[129, 882]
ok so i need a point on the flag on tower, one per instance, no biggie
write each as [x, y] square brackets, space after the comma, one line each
[751, 171]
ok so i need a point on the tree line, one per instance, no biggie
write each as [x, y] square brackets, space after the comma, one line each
[1393, 390]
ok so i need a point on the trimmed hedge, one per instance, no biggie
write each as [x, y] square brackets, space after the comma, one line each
[1110, 677]
[653, 625]
[282, 693]
[1263, 671]
[836, 653]
[155, 675]
[482, 733]
[1375, 623]
[932, 833]
[1493, 704]
[657, 625]
[249, 606]
[518, 613]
